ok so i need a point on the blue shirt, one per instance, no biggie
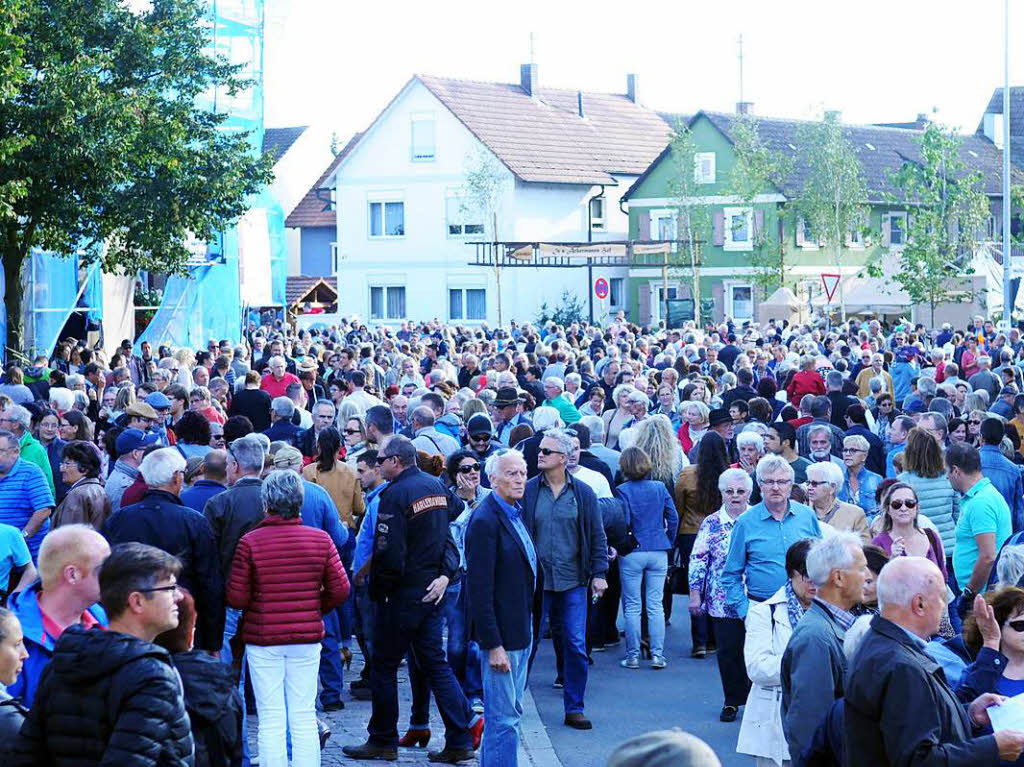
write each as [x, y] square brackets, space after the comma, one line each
[756, 563]
[319, 511]
[890, 468]
[1005, 477]
[364, 540]
[23, 492]
[13, 553]
[515, 516]
[869, 482]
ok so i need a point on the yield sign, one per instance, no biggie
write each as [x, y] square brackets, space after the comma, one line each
[831, 282]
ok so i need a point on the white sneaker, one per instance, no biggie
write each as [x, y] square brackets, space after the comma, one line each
[658, 662]
[630, 662]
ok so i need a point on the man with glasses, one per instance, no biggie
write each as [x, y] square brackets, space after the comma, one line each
[755, 566]
[18, 420]
[323, 416]
[479, 435]
[115, 696]
[564, 521]
[26, 500]
[160, 519]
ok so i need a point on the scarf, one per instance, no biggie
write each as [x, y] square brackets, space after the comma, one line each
[796, 610]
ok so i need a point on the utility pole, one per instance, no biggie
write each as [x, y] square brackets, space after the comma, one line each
[741, 66]
[1007, 245]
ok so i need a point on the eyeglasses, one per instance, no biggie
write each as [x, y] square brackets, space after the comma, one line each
[355, 431]
[174, 587]
[735, 491]
[817, 482]
[381, 459]
[469, 469]
[549, 451]
[972, 422]
[1017, 625]
[776, 482]
[853, 450]
[899, 503]
[479, 437]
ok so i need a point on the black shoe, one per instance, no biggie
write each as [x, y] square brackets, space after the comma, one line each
[728, 714]
[362, 693]
[699, 652]
[558, 684]
[451, 755]
[336, 705]
[358, 683]
[578, 722]
[369, 751]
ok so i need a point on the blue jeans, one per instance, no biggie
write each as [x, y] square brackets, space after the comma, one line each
[567, 612]
[332, 674]
[365, 613]
[231, 619]
[649, 568]
[503, 693]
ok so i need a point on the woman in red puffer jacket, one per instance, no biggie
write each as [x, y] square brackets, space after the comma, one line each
[806, 381]
[285, 577]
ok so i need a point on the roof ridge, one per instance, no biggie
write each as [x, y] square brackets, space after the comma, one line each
[807, 121]
[517, 85]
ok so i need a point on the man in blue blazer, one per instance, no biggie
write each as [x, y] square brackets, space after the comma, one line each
[501, 577]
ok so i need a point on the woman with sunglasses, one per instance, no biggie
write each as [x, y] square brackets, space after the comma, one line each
[902, 534]
[884, 412]
[354, 434]
[925, 471]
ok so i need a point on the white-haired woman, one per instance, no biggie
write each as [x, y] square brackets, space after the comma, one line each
[620, 417]
[707, 560]
[750, 446]
[859, 484]
[695, 415]
[824, 481]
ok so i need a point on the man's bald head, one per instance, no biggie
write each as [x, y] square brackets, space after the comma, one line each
[912, 594]
[70, 546]
[215, 466]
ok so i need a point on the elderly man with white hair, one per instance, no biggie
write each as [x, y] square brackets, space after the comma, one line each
[554, 389]
[813, 667]
[898, 707]
[17, 420]
[160, 519]
[824, 480]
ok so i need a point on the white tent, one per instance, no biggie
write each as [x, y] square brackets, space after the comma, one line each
[781, 305]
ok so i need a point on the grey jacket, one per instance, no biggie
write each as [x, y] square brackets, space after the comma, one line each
[118, 481]
[813, 676]
[939, 502]
[12, 714]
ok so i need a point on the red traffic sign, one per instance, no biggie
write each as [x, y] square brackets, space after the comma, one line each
[601, 288]
[831, 282]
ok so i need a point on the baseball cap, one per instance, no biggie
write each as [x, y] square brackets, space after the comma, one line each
[134, 439]
[479, 424]
[158, 401]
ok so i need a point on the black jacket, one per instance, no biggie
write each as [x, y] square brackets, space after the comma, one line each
[214, 707]
[106, 698]
[413, 544]
[530, 448]
[254, 404]
[499, 579]
[590, 461]
[160, 519]
[12, 715]
[900, 710]
[232, 514]
[284, 431]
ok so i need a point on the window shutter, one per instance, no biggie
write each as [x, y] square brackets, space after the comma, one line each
[906, 233]
[758, 223]
[644, 296]
[718, 234]
[800, 241]
[886, 231]
[645, 225]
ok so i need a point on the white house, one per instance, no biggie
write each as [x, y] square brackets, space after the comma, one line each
[565, 158]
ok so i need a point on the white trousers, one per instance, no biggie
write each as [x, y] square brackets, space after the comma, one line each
[284, 682]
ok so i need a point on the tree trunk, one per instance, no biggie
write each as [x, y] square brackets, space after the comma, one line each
[13, 263]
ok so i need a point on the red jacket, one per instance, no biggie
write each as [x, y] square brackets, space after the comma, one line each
[285, 576]
[804, 382]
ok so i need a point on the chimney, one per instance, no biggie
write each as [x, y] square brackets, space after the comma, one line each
[528, 79]
[579, 103]
[633, 88]
[744, 107]
[922, 120]
[992, 125]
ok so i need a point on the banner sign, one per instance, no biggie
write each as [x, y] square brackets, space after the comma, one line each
[589, 250]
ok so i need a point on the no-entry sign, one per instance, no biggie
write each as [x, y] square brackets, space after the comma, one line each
[601, 288]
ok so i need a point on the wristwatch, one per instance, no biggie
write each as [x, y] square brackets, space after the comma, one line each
[24, 534]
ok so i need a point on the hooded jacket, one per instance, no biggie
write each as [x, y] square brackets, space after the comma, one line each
[106, 698]
[214, 707]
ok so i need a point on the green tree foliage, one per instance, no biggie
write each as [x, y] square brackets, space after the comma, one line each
[759, 169]
[568, 311]
[12, 73]
[692, 213]
[833, 196]
[948, 210]
[113, 148]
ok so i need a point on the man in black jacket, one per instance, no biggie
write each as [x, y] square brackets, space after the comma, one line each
[898, 707]
[113, 697]
[414, 559]
[501, 575]
[160, 519]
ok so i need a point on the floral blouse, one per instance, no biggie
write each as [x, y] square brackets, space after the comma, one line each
[707, 560]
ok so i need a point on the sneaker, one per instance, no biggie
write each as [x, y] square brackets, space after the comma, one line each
[477, 705]
[558, 684]
[699, 652]
[728, 714]
[629, 662]
[658, 662]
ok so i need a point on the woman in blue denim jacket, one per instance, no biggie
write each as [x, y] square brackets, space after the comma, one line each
[652, 517]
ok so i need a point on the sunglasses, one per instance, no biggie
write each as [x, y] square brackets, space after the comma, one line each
[898, 504]
[473, 467]
[381, 459]
[549, 451]
[354, 431]
[1017, 625]
[972, 422]
[479, 437]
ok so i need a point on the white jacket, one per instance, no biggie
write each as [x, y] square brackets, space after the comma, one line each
[768, 632]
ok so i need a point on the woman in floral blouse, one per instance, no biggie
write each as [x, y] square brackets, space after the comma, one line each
[706, 593]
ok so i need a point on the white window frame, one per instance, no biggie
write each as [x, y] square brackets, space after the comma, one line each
[422, 117]
[382, 198]
[622, 292]
[672, 215]
[657, 301]
[460, 198]
[730, 309]
[809, 243]
[465, 302]
[728, 215]
[903, 216]
[703, 167]
[384, 287]
[597, 223]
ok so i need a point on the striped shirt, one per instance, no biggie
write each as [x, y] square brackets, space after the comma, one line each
[23, 492]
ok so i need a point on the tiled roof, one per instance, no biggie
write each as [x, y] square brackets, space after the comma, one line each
[313, 211]
[995, 106]
[297, 286]
[882, 150]
[278, 140]
[544, 139]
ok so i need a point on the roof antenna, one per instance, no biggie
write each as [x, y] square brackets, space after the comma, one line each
[741, 66]
[533, 58]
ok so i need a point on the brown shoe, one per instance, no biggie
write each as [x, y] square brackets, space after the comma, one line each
[578, 722]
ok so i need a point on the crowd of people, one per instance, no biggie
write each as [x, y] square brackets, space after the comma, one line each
[188, 535]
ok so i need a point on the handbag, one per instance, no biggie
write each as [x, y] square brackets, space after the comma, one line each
[623, 540]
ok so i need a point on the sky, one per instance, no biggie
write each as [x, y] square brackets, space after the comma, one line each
[339, 62]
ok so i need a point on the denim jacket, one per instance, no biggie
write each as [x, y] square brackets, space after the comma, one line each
[651, 513]
[869, 482]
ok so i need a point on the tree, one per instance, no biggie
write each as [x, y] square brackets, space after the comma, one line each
[832, 199]
[12, 73]
[948, 210]
[757, 169]
[569, 310]
[483, 190]
[692, 212]
[115, 149]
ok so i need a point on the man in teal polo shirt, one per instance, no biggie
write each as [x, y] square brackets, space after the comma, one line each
[553, 390]
[984, 523]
